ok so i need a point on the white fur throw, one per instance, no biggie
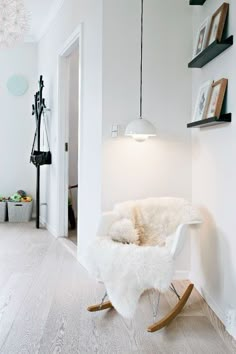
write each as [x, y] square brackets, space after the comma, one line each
[131, 251]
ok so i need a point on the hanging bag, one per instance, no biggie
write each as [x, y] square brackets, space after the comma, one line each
[39, 158]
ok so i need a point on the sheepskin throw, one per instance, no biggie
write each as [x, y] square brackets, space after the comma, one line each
[131, 251]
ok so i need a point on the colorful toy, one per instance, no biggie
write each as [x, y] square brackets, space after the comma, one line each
[20, 196]
[26, 199]
[22, 193]
[15, 197]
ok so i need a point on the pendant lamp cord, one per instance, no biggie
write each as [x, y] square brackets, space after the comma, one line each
[141, 64]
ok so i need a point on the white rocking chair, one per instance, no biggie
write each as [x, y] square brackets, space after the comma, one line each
[178, 241]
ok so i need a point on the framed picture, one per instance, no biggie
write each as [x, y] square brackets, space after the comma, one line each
[216, 98]
[201, 39]
[202, 101]
[217, 24]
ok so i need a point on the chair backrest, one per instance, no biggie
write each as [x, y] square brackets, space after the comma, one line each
[158, 217]
[180, 238]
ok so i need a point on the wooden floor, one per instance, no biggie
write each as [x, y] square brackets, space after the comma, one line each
[44, 293]
[72, 235]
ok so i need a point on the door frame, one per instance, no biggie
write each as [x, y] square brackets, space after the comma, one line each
[74, 40]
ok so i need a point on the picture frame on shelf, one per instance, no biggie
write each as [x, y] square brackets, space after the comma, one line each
[202, 101]
[202, 37]
[216, 98]
[217, 24]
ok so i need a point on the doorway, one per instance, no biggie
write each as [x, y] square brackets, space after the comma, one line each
[69, 85]
[73, 142]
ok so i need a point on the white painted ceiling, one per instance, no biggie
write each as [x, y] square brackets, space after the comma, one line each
[39, 11]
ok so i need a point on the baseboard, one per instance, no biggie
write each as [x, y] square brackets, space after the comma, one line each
[51, 229]
[230, 325]
[70, 246]
[208, 298]
[42, 221]
[181, 275]
[82, 260]
[231, 322]
[232, 331]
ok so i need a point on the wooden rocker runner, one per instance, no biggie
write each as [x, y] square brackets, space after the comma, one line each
[103, 306]
[173, 313]
[165, 321]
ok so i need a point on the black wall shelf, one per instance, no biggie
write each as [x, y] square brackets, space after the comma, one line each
[211, 52]
[208, 122]
[196, 2]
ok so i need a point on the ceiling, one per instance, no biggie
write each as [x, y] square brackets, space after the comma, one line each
[40, 11]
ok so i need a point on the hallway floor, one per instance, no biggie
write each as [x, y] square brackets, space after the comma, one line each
[72, 235]
[44, 293]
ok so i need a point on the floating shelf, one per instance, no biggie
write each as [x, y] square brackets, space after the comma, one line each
[208, 122]
[196, 2]
[211, 52]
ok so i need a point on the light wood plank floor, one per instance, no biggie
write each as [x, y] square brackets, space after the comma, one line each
[44, 293]
[72, 235]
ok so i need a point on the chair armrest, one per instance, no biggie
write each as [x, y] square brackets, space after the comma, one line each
[107, 219]
[179, 238]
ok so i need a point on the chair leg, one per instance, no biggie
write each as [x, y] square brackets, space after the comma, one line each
[173, 313]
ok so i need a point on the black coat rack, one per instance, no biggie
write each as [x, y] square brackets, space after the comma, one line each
[38, 110]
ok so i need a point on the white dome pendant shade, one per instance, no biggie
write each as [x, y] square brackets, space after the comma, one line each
[140, 129]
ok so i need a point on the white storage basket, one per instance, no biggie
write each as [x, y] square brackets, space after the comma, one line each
[20, 212]
[3, 211]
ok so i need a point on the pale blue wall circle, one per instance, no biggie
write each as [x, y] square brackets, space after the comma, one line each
[17, 85]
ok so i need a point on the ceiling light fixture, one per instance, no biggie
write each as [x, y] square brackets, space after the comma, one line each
[14, 22]
[140, 129]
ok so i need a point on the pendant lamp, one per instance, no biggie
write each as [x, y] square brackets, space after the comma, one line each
[140, 129]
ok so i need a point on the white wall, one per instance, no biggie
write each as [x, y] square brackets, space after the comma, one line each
[73, 124]
[213, 181]
[159, 167]
[16, 122]
[73, 13]
[162, 165]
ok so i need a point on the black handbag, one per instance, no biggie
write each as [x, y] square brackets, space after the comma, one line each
[39, 158]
